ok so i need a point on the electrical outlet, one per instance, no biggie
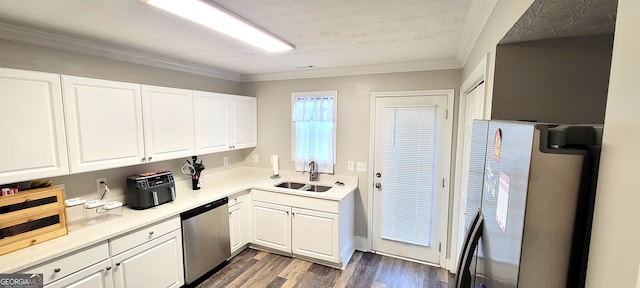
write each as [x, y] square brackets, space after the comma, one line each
[255, 158]
[350, 165]
[225, 160]
[362, 166]
[100, 187]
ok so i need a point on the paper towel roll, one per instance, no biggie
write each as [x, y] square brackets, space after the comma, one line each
[275, 165]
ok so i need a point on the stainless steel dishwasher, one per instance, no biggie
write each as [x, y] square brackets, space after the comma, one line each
[205, 238]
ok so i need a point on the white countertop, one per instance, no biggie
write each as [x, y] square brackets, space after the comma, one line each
[215, 186]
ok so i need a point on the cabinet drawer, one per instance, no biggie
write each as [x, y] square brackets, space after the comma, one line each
[142, 235]
[236, 199]
[325, 205]
[70, 263]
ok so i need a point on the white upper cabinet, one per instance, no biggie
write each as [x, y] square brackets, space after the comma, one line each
[168, 123]
[104, 123]
[244, 116]
[212, 122]
[224, 122]
[32, 126]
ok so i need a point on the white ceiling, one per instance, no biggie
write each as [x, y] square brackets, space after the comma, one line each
[328, 34]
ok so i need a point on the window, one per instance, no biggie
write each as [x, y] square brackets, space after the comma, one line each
[314, 130]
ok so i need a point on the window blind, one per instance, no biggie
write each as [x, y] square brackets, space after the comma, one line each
[407, 181]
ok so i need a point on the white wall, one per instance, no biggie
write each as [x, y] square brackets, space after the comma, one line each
[615, 241]
[274, 118]
[504, 15]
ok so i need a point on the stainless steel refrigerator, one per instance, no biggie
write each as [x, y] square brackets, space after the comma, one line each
[534, 186]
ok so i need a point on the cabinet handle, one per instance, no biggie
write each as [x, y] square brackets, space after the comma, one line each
[56, 270]
[142, 159]
[150, 233]
[149, 158]
[108, 268]
[118, 264]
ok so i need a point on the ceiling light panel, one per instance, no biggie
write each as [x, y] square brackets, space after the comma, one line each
[219, 19]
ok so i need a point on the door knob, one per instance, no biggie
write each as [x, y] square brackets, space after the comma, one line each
[378, 185]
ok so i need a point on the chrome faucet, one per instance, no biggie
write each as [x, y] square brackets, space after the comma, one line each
[313, 171]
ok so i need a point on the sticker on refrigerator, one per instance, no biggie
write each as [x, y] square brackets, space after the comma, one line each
[497, 145]
[503, 201]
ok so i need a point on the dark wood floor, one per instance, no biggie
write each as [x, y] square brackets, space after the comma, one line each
[253, 268]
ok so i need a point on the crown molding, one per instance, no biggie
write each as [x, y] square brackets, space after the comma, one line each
[477, 18]
[426, 65]
[23, 34]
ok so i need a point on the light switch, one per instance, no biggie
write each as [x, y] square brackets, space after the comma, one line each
[362, 166]
[255, 158]
[225, 161]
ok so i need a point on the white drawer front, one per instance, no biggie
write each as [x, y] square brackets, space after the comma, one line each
[142, 235]
[70, 263]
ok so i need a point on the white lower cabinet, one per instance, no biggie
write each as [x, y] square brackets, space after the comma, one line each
[239, 222]
[157, 263]
[272, 226]
[315, 234]
[87, 265]
[151, 257]
[96, 276]
[319, 230]
[148, 257]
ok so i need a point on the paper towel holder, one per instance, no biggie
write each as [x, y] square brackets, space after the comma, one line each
[275, 167]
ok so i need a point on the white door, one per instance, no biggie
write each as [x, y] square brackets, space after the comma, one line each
[315, 234]
[168, 123]
[244, 111]
[157, 263]
[272, 225]
[104, 123]
[409, 175]
[32, 125]
[473, 109]
[235, 227]
[212, 122]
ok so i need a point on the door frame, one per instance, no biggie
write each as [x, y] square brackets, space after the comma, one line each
[477, 76]
[450, 93]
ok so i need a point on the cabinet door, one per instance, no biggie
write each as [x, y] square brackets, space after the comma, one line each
[157, 263]
[235, 227]
[32, 126]
[168, 123]
[315, 234]
[244, 131]
[104, 123]
[272, 226]
[211, 120]
[96, 276]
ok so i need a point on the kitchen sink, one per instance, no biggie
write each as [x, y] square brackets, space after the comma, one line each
[303, 186]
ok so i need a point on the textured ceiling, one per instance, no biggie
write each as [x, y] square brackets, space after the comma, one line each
[327, 33]
[547, 19]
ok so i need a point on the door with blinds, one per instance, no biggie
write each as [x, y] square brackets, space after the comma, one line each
[408, 173]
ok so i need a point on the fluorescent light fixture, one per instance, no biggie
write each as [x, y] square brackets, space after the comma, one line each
[221, 20]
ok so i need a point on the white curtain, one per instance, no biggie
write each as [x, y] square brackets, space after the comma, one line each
[314, 127]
